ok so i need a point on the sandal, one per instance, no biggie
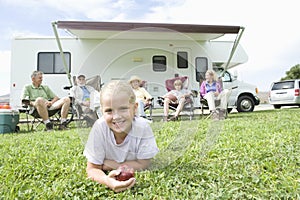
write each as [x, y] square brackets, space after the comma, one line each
[174, 118]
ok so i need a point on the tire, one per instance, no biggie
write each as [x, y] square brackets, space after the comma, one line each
[245, 104]
[277, 106]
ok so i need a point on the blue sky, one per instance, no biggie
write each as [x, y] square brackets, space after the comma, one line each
[271, 37]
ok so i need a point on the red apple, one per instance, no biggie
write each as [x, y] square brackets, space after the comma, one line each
[126, 173]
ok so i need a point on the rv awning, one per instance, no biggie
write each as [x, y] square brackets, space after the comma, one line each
[104, 30]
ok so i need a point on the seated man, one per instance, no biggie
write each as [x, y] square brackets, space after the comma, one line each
[211, 90]
[177, 96]
[85, 98]
[142, 96]
[42, 99]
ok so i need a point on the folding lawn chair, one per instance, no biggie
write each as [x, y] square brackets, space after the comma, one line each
[204, 104]
[87, 118]
[188, 107]
[33, 117]
[203, 101]
[149, 104]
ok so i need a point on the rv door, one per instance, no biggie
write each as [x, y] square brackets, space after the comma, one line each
[201, 68]
[182, 62]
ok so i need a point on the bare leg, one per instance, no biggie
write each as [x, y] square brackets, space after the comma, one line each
[179, 107]
[166, 106]
[41, 107]
[64, 104]
[65, 107]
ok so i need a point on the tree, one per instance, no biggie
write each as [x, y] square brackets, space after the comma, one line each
[293, 73]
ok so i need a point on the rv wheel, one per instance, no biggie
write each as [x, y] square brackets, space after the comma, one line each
[245, 104]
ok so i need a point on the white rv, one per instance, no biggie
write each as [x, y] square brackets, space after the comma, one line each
[114, 50]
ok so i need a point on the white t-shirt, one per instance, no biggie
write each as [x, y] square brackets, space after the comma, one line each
[138, 144]
[179, 93]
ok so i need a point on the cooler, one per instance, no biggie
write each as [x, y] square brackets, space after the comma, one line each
[8, 120]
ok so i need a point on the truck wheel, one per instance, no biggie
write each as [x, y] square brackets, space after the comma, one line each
[245, 104]
[277, 106]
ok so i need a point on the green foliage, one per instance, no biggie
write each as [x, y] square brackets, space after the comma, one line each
[249, 156]
[293, 73]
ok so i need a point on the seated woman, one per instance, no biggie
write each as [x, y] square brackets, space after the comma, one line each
[177, 96]
[211, 90]
[142, 96]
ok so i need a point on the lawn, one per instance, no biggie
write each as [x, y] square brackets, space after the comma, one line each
[248, 156]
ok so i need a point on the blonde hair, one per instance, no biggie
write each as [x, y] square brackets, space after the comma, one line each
[178, 82]
[212, 73]
[115, 87]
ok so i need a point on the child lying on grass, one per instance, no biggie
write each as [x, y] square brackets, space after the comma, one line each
[118, 138]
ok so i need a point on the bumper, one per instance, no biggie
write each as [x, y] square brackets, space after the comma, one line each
[295, 101]
[256, 100]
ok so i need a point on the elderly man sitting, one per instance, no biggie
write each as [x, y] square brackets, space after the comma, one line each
[42, 100]
[86, 98]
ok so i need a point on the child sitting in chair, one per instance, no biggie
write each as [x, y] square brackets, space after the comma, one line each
[177, 96]
[211, 90]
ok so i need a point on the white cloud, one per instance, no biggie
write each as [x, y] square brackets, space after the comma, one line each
[270, 38]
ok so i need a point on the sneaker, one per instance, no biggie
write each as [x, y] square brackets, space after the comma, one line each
[49, 126]
[221, 114]
[215, 115]
[174, 118]
[63, 126]
[165, 118]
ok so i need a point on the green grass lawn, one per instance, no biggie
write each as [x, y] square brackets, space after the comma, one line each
[248, 156]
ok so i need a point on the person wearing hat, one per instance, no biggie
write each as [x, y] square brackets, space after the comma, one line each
[82, 95]
[142, 96]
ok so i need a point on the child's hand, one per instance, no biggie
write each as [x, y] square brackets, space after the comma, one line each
[118, 186]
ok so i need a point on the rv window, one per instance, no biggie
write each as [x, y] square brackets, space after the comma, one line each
[51, 62]
[182, 59]
[201, 68]
[159, 63]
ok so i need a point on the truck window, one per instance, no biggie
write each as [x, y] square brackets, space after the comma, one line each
[201, 68]
[226, 77]
[51, 62]
[182, 59]
[159, 63]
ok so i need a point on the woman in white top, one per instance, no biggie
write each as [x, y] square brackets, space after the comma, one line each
[142, 96]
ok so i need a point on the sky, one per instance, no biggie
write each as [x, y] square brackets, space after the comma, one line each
[271, 37]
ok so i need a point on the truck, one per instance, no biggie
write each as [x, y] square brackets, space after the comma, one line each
[117, 50]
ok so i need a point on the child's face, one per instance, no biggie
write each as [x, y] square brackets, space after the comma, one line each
[118, 112]
[178, 87]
